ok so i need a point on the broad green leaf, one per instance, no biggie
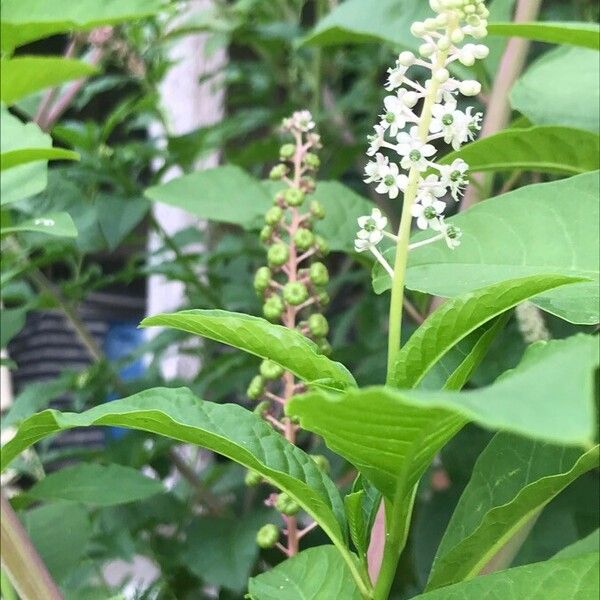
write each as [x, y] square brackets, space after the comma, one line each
[391, 435]
[586, 35]
[21, 156]
[575, 579]
[342, 207]
[544, 228]
[222, 551]
[561, 88]
[460, 316]
[513, 478]
[12, 320]
[545, 149]
[225, 194]
[287, 347]
[314, 574]
[588, 544]
[24, 75]
[226, 429]
[358, 21]
[118, 216]
[98, 485]
[26, 20]
[60, 531]
[57, 224]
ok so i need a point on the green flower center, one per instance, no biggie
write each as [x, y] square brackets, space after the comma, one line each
[390, 117]
[447, 119]
[452, 232]
[455, 176]
[430, 213]
[370, 224]
[415, 155]
[389, 180]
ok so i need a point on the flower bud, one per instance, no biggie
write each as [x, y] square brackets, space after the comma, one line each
[267, 536]
[261, 408]
[417, 29]
[317, 210]
[278, 172]
[410, 99]
[441, 75]
[457, 36]
[294, 196]
[318, 325]
[304, 239]
[319, 274]
[430, 24]
[295, 293]
[270, 370]
[469, 88]
[273, 308]
[262, 279]
[252, 478]
[274, 215]
[481, 52]
[312, 160]
[444, 43]
[286, 505]
[278, 254]
[427, 50]
[265, 233]
[407, 59]
[321, 462]
[287, 151]
[256, 388]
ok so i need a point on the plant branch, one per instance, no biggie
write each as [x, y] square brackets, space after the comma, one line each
[498, 109]
[21, 560]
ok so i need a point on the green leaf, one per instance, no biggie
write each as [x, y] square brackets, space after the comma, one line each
[575, 579]
[586, 35]
[222, 551]
[225, 194]
[588, 544]
[98, 485]
[314, 574]
[60, 531]
[21, 156]
[226, 429]
[545, 149]
[561, 88]
[287, 347]
[25, 75]
[24, 21]
[342, 207]
[12, 321]
[460, 316]
[545, 228]
[357, 21]
[56, 224]
[356, 521]
[513, 479]
[118, 216]
[391, 436]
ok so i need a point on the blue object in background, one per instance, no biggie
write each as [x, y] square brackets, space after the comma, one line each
[123, 338]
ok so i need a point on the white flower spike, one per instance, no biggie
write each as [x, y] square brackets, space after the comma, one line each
[442, 117]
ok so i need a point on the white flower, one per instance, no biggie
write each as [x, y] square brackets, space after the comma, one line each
[430, 189]
[301, 120]
[374, 168]
[396, 76]
[458, 127]
[451, 233]
[392, 181]
[397, 113]
[428, 213]
[371, 230]
[455, 177]
[376, 140]
[413, 150]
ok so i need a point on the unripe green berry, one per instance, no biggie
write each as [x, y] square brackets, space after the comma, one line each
[278, 172]
[270, 370]
[278, 254]
[312, 160]
[274, 215]
[265, 234]
[262, 279]
[324, 346]
[267, 536]
[287, 151]
[321, 462]
[323, 298]
[322, 245]
[304, 239]
[317, 210]
[294, 196]
[273, 308]
[285, 505]
[256, 388]
[319, 274]
[252, 478]
[262, 407]
[318, 325]
[295, 293]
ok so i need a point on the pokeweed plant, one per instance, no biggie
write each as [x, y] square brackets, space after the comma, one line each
[543, 409]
